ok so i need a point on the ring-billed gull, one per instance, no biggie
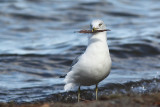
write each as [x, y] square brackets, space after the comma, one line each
[94, 64]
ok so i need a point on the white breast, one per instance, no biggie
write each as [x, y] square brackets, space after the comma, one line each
[94, 65]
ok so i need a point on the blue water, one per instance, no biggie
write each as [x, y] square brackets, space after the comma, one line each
[38, 43]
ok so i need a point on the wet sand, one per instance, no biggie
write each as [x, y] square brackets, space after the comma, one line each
[135, 100]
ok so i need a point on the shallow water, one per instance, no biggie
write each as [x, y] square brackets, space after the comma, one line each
[38, 44]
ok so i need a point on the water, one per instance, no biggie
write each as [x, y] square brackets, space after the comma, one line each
[38, 44]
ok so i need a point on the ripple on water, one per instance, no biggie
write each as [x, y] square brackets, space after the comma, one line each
[38, 44]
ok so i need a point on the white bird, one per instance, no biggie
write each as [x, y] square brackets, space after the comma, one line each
[94, 64]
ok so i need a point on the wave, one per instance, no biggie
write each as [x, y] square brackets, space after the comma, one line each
[135, 50]
[120, 50]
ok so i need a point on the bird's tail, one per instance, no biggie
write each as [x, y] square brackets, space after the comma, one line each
[69, 86]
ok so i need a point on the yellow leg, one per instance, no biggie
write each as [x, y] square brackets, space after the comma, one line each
[96, 91]
[79, 93]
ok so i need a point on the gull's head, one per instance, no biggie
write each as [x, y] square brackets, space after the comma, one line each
[98, 25]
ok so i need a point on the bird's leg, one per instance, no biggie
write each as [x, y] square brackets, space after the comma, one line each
[96, 91]
[79, 93]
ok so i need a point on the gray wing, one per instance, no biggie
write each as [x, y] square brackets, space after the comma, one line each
[73, 63]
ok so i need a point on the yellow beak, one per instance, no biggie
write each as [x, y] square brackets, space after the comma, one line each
[94, 29]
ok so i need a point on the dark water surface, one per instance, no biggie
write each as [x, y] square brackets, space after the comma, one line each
[38, 44]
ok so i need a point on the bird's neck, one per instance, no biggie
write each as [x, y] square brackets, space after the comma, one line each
[97, 46]
[98, 42]
[97, 37]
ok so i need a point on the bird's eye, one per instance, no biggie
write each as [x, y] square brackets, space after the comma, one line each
[100, 24]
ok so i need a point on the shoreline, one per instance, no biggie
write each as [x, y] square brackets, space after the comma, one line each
[117, 100]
